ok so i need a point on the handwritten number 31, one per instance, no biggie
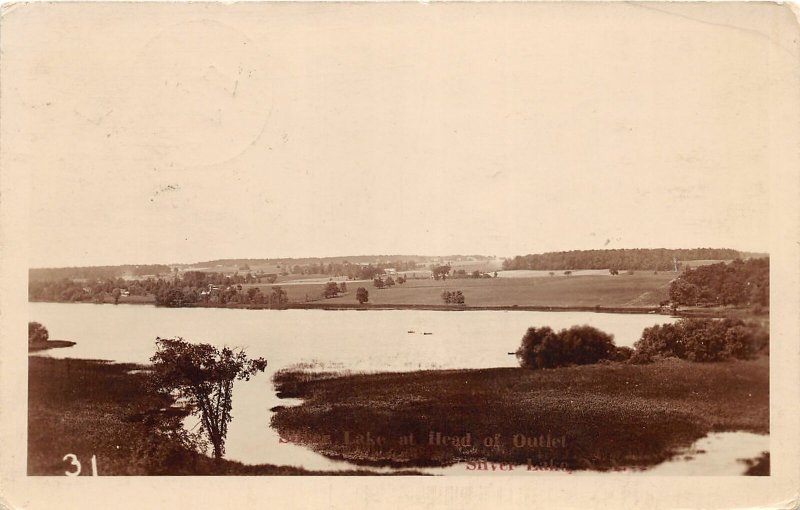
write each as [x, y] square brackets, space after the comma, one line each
[75, 462]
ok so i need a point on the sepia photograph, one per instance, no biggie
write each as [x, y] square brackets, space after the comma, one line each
[490, 242]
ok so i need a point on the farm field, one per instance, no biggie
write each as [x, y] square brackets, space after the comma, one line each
[637, 290]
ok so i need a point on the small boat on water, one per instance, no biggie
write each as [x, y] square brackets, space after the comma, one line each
[426, 333]
[411, 331]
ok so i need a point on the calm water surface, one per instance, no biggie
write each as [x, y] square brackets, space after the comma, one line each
[359, 341]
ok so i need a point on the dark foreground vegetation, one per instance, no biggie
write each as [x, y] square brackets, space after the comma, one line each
[600, 417]
[88, 407]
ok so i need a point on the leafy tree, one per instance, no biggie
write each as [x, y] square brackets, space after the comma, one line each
[447, 297]
[401, 280]
[684, 293]
[254, 295]
[390, 282]
[440, 272]
[171, 297]
[342, 287]
[203, 375]
[37, 333]
[377, 282]
[331, 290]
[362, 295]
[116, 294]
[278, 297]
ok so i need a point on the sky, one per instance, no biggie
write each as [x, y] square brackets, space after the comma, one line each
[169, 133]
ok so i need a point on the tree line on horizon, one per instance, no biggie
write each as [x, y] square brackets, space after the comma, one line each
[660, 259]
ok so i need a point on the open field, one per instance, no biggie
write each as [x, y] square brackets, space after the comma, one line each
[598, 417]
[641, 289]
[88, 407]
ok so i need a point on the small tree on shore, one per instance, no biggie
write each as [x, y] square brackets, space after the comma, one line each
[37, 333]
[362, 295]
[331, 290]
[203, 375]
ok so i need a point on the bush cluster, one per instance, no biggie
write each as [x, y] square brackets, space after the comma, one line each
[578, 345]
[453, 298]
[702, 340]
[690, 339]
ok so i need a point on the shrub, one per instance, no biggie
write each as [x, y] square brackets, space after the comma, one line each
[37, 333]
[578, 345]
[702, 340]
[453, 298]
[623, 353]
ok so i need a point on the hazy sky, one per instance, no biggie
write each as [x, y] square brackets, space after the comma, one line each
[160, 133]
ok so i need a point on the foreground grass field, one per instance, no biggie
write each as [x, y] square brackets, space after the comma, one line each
[597, 416]
[93, 408]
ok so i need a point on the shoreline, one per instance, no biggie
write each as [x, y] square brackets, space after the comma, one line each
[640, 310]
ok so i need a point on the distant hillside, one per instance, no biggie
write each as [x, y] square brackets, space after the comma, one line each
[660, 259]
[95, 272]
[352, 259]
[310, 265]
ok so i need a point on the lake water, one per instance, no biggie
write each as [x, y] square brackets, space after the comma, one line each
[359, 341]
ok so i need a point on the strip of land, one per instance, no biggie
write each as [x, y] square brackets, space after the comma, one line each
[49, 344]
[599, 417]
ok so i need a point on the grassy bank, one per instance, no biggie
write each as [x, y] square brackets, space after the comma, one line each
[598, 416]
[87, 408]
